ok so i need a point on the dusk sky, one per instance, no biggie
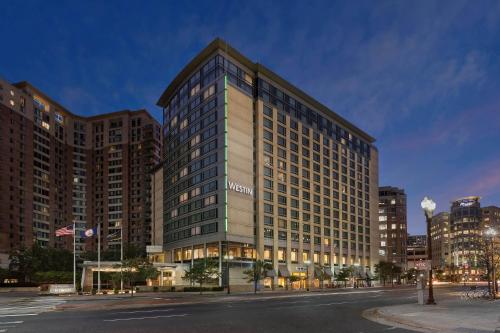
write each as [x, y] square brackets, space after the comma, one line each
[422, 77]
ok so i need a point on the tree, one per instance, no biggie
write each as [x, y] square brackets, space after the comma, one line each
[343, 276]
[395, 272]
[322, 276]
[386, 270]
[410, 275]
[135, 270]
[202, 272]
[257, 272]
[293, 278]
[25, 262]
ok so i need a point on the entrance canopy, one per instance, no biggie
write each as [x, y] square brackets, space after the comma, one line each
[283, 271]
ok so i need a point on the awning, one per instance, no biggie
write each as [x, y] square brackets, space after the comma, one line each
[328, 271]
[369, 275]
[270, 273]
[283, 271]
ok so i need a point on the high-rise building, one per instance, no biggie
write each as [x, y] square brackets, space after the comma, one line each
[392, 225]
[256, 168]
[441, 242]
[57, 167]
[466, 237]
[491, 217]
[416, 249]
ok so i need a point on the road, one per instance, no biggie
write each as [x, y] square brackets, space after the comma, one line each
[311, 312]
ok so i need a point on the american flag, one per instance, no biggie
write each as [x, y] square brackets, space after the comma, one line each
[66, 231]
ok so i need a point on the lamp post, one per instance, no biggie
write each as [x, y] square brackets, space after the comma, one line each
[429, 206]
[491, 233]
[308, 263]
[228, 257]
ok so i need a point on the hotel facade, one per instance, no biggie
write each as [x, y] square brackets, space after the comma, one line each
[254, 168]
[57, 168]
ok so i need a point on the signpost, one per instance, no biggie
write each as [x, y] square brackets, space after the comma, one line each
[422, 265]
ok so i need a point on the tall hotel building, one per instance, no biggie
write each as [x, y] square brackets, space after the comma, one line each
[392, 225]
[57, 167]
[256, 165]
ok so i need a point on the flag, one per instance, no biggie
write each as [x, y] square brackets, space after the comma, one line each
[89, 232]
[66, 231]
[114, 236]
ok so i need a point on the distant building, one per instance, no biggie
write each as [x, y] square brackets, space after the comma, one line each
[441, 242]
[466, 237]
[491, 217]
[392, 225]
[416, 249]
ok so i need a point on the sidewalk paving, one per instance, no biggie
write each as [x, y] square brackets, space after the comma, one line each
[449, 315]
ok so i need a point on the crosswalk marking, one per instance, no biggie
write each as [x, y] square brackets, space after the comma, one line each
[25, 307]
[142, 318]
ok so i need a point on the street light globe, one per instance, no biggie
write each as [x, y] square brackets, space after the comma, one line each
[428, 205]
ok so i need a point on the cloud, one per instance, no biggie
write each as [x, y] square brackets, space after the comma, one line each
[486, 180]
[453, 130]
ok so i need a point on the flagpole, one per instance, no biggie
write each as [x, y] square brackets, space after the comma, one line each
[74, 255]
[121, 257]
[98, 258]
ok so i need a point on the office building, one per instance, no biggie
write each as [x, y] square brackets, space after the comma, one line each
[466, 238]
[416, 250]
[257, 169]
[490, 216]
[392, 225]
[57, 167]
[441, 241]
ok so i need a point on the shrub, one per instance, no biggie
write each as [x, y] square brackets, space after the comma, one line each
[217, 288]
[191, 289]
[53, 277]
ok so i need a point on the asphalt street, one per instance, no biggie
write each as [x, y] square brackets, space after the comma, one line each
[312, 312]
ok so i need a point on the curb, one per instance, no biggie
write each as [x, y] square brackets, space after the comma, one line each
[378, 316]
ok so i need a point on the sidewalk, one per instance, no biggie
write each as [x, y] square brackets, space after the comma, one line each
[449, 315]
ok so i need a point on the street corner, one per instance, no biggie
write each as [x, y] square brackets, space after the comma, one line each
[381, 316]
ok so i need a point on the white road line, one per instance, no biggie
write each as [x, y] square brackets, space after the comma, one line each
[23, 307]
[19, 315]
[293, 302]
[142, 318]
[1, 331]
[334, 303]
[142, 311]
[11, 322]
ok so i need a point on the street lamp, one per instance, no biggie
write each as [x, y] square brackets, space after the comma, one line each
[308, 263]
[429, 206]
[491, 233]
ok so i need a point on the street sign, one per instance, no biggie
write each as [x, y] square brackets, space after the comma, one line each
[423, 265]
